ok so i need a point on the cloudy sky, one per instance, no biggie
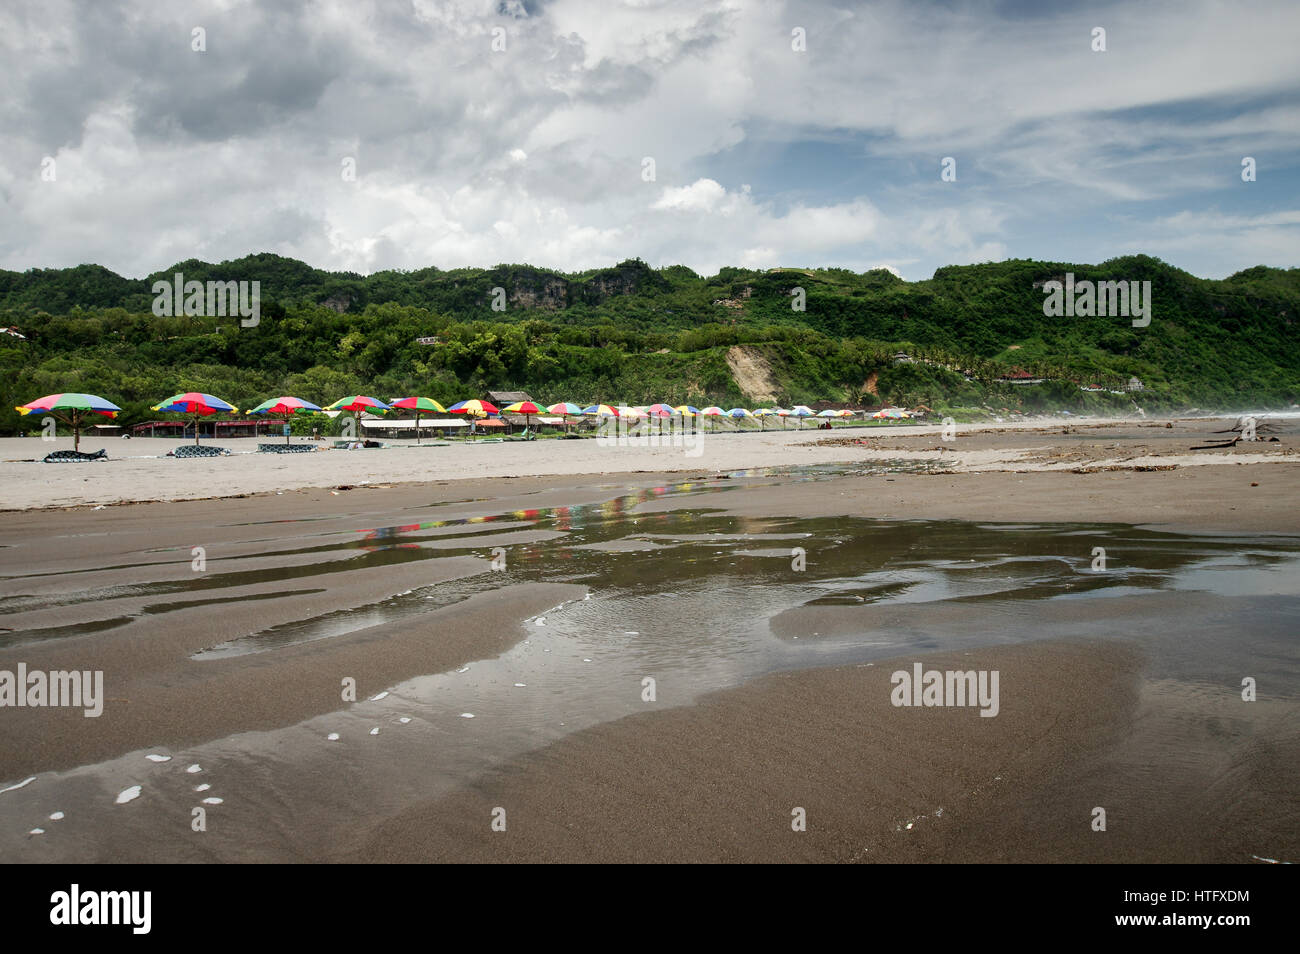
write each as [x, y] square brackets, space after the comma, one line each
[576, 133]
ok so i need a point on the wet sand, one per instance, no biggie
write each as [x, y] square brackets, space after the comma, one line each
[1131, 702]
[718, 781]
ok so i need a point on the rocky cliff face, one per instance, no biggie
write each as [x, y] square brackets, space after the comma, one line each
[539, 290]
[632, 277]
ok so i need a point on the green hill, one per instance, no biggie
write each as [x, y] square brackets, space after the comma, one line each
[631, 333]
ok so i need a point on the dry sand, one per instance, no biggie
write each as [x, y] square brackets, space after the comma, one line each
[1025, 446]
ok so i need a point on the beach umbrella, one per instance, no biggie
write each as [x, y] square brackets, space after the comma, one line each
[712, 411]
[356, 403]
[600, 410]
[417, 404]
[738, 413]
[633, 412]
[661, 410]
[483, 408]
[828, 413]
[193, 403]
[285, 407]
[762, 413]
[526, 408]
[70, 408]
[686, 410]
[567, 410]
[799, 412]
[474, 408]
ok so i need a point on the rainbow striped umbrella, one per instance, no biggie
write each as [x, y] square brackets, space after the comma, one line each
[799, 412]
[739, 412]
[73, 405]
[712, 411]
[662, 410]
[285, 407]
[567, 410]
[356, 403]
[687, 411]
[633, 412]
[526, 408]
[483, 408]
[417, 404]
[600, 410]
[193, 403]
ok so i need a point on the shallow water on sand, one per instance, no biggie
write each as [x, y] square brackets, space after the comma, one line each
[691, 599]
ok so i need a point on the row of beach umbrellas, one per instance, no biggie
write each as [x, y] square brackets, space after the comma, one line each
[72, 409]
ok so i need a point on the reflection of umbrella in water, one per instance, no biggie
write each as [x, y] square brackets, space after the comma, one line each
[193, 403]
[72, 406]
[285, 407]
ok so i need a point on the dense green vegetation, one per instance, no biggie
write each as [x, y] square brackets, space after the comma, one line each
[632, 334]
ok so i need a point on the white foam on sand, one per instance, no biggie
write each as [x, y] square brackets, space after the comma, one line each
[14, 788]
[159, 758]
[56, 816]
[196, 767]
[404, 720]
[333, 737]
[380, 696]
[202, 788]
[212, 801]
[37, 831]
[128, 795]
[467, 715]
[375, 730]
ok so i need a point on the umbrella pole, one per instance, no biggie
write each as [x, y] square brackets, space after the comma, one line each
[76, 430]
[417, 426]
[196, 430]
[286, 429]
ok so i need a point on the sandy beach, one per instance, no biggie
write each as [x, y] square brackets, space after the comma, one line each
[521, 686]
[135, 472]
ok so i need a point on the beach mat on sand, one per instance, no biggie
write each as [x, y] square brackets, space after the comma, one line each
[285, 448]
[74, 457]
